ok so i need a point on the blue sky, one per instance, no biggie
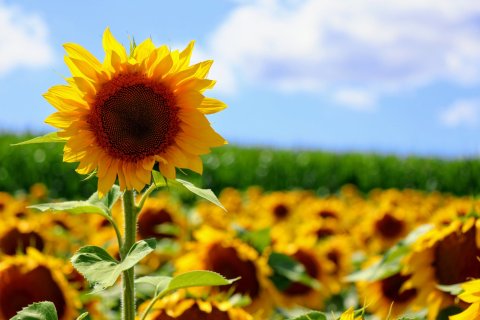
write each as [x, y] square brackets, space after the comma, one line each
[388, 76]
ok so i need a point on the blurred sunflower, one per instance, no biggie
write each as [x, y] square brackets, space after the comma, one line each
[318, 267]
[387, 296]
[443, 256]
[18, 235]
[122, 116]
[35, 277]
[182, 307]
[220, 252]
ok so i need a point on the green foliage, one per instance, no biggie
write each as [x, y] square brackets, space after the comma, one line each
[258, 239]
[314, 315]
[287, 270]
[391, 262]
[38, 311]
[230, 166]
[101, 269]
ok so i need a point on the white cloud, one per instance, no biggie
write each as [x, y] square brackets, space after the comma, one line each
[373, 45]
[355, 99]
[460, 113]
[23, 40]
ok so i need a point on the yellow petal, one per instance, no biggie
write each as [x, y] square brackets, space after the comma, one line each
[144, 50]
[106, 182]
[211, 105]
[115, 53]
[167, 170]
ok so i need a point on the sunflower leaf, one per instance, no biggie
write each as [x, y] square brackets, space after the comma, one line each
[206, 194]
[74, 207]
[159, 282]
[82, 316]
[108, 200]
[101, 269]
[259, 239]
[158, 179]
[49, 137]
[453, 289]
[286, 270]
[314, 315]
[391, 263]
[198, 278]
[38, 311]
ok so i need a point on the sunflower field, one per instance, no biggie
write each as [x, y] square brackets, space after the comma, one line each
[389, 254]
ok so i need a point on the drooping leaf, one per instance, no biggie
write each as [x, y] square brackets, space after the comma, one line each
[159, 282]
[37, 311]
[390, 264]
[101, 269]
[206, 194]
[314, 315]
[73, 207]
[49, 137]
[158, 179]
[287, 270]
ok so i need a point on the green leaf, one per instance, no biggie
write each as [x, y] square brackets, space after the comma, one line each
[196, 278]
[392, 259]
[49, 137]
[82, 316]
[453, 289]
[73, 207]
[158, 179]
[101, 270]
[159, 282]
[38, 311]
[168, 229]
[314, 315]
[206, 194]
[287, 270]
[108, 200]
[259, 239]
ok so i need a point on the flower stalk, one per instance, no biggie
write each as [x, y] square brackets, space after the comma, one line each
[128, 276]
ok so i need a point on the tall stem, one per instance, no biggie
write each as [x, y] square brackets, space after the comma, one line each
[130, 214]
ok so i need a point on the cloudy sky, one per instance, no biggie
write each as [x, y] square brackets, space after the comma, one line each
[389, 76]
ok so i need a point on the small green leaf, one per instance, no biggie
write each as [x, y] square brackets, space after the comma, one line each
[168, 229]
[82, 316]
[198, 278]
[38, 311]
[314, 315]
[108, 200]
[73, 207]
[206, 194]
[49, 137]
[287, 270]
[392, 259]
[453, 289]
[159, 282]
[259, 239]
[101, 270]
[158, 179]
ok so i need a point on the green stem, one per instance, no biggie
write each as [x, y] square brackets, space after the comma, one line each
[146, 194]
[150, 305]
[130, 214]
[118, 234]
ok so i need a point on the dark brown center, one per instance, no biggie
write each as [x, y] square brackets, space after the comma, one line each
[149, 220]
[389, 226]
[456, 258]
[391, 288]
[18, 290]
[281, 211]
[324, 232]
[194, 313]
[134, 117]
[227, 262]
[326, 213]
[311, 267]
[14, 241]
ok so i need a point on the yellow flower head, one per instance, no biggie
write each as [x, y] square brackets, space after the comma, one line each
[122, 116]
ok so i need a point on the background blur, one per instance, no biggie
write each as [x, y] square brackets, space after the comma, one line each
[385, 76]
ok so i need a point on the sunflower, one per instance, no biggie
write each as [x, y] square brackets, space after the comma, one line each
[220, 252]
[443, 256]
[18, 235]
[33, 278]
[387, 296]
[124, 115]
[182, 307]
